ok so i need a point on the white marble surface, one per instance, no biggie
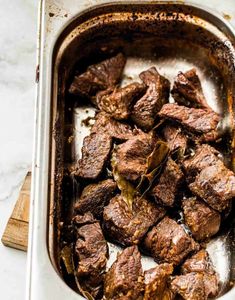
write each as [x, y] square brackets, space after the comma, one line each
[18, 26]
[18, 21]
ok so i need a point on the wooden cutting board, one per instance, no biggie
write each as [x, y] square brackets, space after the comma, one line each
[16, 231]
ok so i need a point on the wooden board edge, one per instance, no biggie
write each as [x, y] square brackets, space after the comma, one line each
[16, 234]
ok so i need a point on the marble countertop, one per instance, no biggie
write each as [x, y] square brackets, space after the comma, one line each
[18, 26]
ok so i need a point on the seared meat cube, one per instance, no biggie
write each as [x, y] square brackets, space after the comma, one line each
[204, 156]
[124, 280]
[95, 151]
[168, 242]
[187, 90]
[132, 156]
[118, 101]
[175, 138]
[99, 76]
[92, 253]
[209, 178]
[106, 124]
[211, 283]
[168, 185]
[201, 263]
[156, 282]
[189, 286]
[215, 185]
[195, 120]
[145, 110]
[95, 196]
[128, 225]
[202, 220]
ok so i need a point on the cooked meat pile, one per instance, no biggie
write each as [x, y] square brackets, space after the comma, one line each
[152, 181]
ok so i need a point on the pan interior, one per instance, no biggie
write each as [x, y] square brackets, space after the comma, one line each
[171, 37]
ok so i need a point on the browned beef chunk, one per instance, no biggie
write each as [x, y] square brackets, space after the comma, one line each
[187, 90]
[156, 282]
[209, 178]
[195, 120]
[99, 76]
[189, 286]
[128, 225]
[95, 196]
[201, 263]
[168, 242]
[132, 156]
[92, 253]
[168, 185]
[87, 218]
[95, 151]
[145, 110]
[124, 280]
[118, 101]
[198, 262]
[175, 138]
[204, 156]
[202, 220]
[211, 283]
[215, 185]
[210, 136]
[106, 124]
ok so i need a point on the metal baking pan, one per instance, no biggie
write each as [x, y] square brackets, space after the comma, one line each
[172, 36]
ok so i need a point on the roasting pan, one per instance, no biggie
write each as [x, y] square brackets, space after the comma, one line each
[172, 36]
